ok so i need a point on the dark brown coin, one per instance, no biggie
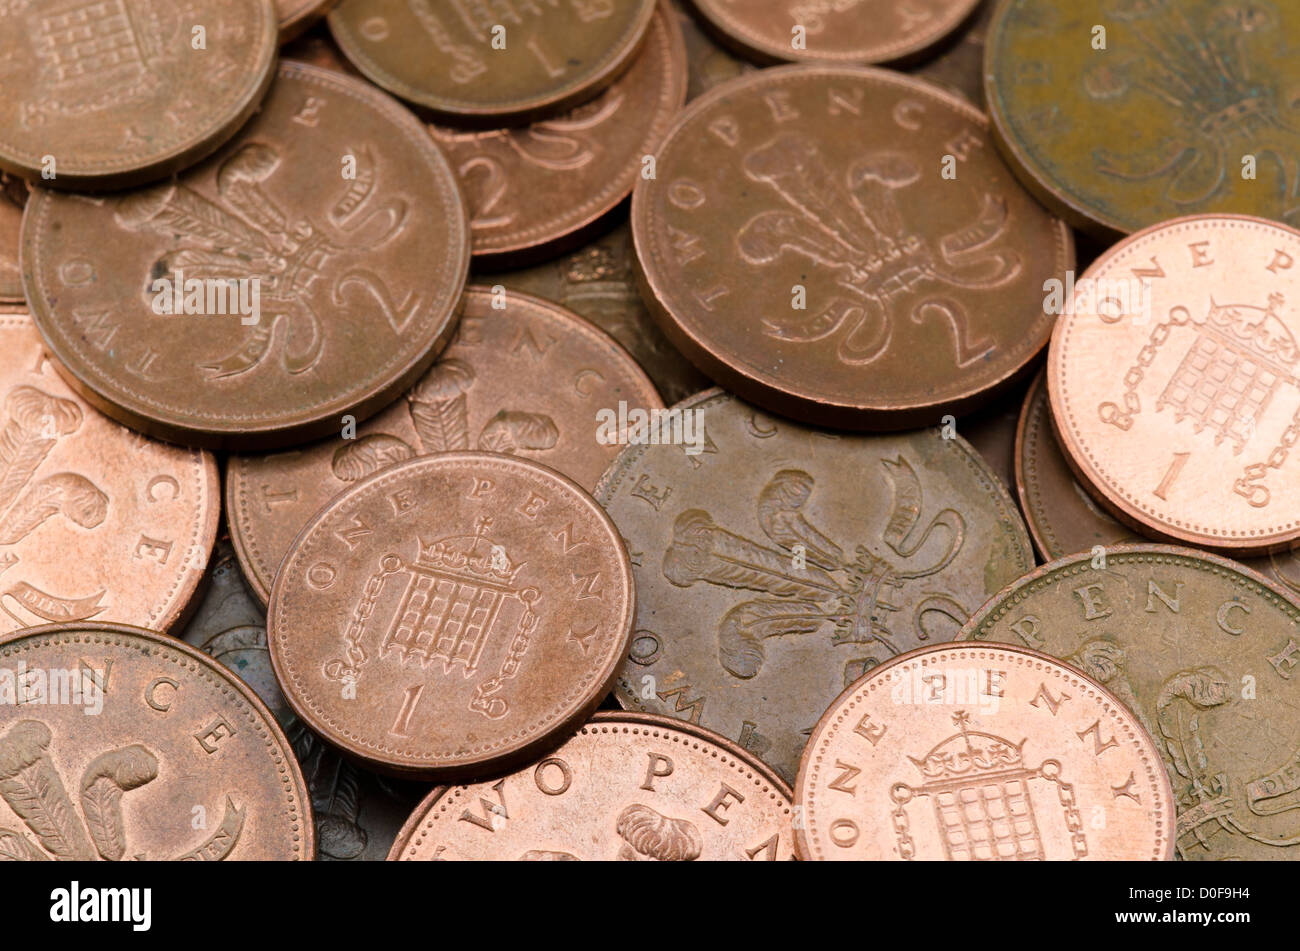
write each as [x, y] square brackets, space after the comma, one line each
[507, 62]
[13, 198]
[992, 432]
[625, 787]
[326, 249]
[538, 190]
[709, 64]
[843, 31]
[297, 16]
[960, 67]
[130, 745]
[527, 379]
[875, 288]
[1063, 518]
[452, 616]
[110, 94]
[1119, 116]
[1204, 653]
[95, 521]
[357, 813]
[775, 564]
[598, 282]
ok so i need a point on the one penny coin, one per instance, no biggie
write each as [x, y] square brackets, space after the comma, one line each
[1174, 385]
[982, 753]
[1202, 651]
[492, 64]
[843, 32]
[868, 287]
[540, 189]
[309, 271]
[95, 521]
[453, 615]
[127, 744]
[115, 94]
[1119, 116]
[523, 377]
[775, 564]
[625, 787]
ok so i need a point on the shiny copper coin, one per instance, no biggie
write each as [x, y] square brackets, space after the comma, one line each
[515, 61]
[625, 787]
[775, 564]
[1063, 518]
[95, 521]
[842, 284]
[119, 743]
[1174, 386]
[528, 379]
[13, 198]
[309, 270]
[357, 814]
[1121, 115]
[845, 31]
[1203, 652]
[537, 190]
[598, 282]
[119, 93]
[967, 753]
[297, 16]
[453, 615]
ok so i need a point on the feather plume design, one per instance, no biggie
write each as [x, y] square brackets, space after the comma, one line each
[66, 493]
[337, 805]
[508, 432]
[105, 779]
[439, 408]
[173, 210]
[36, 421]
[33, 789]
[368, 455]
[14, 847]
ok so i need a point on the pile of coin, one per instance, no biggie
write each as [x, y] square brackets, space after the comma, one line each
[623, 429]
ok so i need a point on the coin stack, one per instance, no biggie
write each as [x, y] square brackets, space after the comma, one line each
[631, 429]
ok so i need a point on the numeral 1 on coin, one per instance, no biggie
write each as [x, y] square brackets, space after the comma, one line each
[409, 700]
[1175, 467]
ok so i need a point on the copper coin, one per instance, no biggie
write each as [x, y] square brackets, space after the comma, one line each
[598, 282]
[453, 615]
[297, 16]
[357, 814]
[1203, 652]
[1174, 386]
[842, 284]
[332, 219]
[130, 745]
[842, 32]
[540, 189]
[95, 521]
[122, 92]
[775, 564]
[1121, 115]
[992, 433]
[529, 379]
[976, 753]
[512, 61]
[13, 198]
[625, 787]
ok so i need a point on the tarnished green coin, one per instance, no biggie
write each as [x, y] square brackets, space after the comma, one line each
[775, 564]
[1119, 114]
[1205, 652]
